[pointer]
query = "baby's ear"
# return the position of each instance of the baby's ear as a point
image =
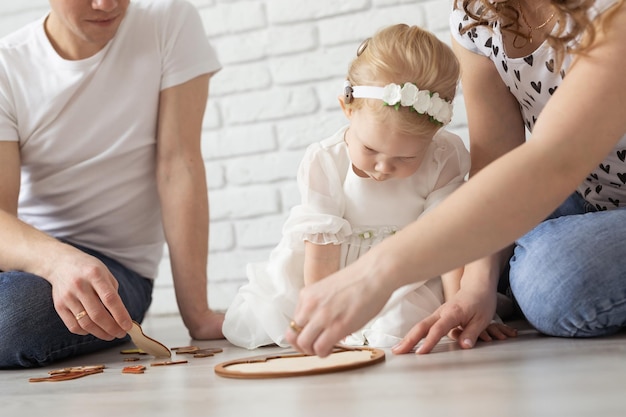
(347, 110)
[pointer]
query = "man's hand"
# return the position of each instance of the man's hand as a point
(85, 295)
(206, 326)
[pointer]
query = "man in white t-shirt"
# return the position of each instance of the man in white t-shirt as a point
(101, 108)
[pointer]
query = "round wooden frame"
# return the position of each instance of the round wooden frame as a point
(342, 358)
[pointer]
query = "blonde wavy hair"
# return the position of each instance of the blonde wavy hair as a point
(576, 39)
(400, 54)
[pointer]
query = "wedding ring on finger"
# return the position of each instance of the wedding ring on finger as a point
(80, 315)
(295, 327)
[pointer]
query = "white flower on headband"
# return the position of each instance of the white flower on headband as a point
(435, 105)
(407, 95)
(422, 101)
(392, 94)
(440, 109)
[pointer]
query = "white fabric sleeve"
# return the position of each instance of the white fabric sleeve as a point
(319, 217)
(187, 52)
(8, 122)
(451, 164)
(458, 20)
(8, 127)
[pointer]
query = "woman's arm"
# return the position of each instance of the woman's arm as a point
(577, 129)
(485, 94)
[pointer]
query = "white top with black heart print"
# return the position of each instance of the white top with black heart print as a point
(532, 80)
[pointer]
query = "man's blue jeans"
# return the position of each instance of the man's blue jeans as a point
(568, 275)
(32, 333)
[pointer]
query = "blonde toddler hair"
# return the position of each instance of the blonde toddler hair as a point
(400, 54)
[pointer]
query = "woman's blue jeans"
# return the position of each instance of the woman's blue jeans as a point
(568, 275)
(32, 333)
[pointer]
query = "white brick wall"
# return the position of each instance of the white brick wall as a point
(284, 62)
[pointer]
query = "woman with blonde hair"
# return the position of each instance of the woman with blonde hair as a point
(549, 209)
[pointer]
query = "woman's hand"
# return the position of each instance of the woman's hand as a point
(467, 315)
(494, 330)
(336, 306)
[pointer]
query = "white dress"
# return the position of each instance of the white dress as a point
(342, 208)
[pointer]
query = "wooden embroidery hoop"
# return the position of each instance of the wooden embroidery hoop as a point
(342, 358)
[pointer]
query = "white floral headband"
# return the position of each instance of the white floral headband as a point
(406, 95)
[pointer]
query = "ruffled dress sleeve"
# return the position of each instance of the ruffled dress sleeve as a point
(319, 217)
(450, 165)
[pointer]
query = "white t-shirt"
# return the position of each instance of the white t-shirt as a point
(87, 128)
(532, 80)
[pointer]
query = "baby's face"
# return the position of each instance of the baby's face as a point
(380, 152)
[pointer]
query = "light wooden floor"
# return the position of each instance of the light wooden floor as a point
(531, 376)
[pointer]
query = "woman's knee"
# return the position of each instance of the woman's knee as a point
(563, 289)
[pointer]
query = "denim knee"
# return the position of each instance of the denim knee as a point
(27, 313)
(33, 334)
(568, 276)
